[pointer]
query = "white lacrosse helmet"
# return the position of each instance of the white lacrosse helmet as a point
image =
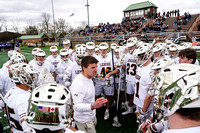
(96, 50)
(24, 74)
(132, 40)
(11, 53)
(173, 48)
(90, 45)
(40, 53)
(130, 43)
(155, 69)
(80, 53)
(34, 51)
(184, 45)
(103, 46)
(83, 46)
(53, 49)
(64, 54)
(179, 88)
(159, 47)
(50, 107)
(168, 41)
(144, 52)
(163, 62)
(66, 43)
(18, 58)
(139, 43)
(77, 45)
(113, 45)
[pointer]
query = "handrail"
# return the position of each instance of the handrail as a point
(194, 24)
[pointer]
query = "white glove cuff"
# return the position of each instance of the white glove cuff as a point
(152, 129)
(159, 126)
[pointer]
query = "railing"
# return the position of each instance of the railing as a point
(194, 24)
(143, 36)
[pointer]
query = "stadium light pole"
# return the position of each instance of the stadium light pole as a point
(88, 13)
(53, 20)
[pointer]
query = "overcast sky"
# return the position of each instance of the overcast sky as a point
(99, 10)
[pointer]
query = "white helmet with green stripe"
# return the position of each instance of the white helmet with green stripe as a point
(179, 88)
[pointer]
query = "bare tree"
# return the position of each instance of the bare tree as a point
(15, 25)
(83, 24)
(61, 25)
(3, 23)
(31, 30)
(45, 21)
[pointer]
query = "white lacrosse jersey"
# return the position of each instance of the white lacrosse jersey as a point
(130, 68)
(72, 71)
(110, 54)
(6, 63)
(143, 83)
(83, 95)
(103, 64)
(60, 71)
(71, 54)
(121, 73)
(31, 62)
(53, 61)
(46, 64)
(5, 81)
(17, 105)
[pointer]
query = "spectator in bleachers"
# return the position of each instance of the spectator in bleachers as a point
(179, 28)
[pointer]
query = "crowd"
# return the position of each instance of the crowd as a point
(61, 92)
(130, 26)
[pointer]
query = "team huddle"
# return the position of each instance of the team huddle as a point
(157, 81)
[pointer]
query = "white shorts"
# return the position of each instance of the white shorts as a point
(99, 88)
(122, 86)
(130, 88)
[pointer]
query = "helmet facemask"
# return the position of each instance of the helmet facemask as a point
(103, 47)
(66, 44)
(40, 57)
(90, 52)
(64, 54)
(90, 46)
(40, 60)
(143, 58)
(54, 51)
(80, 53)
(159, 50)
(104, 53)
